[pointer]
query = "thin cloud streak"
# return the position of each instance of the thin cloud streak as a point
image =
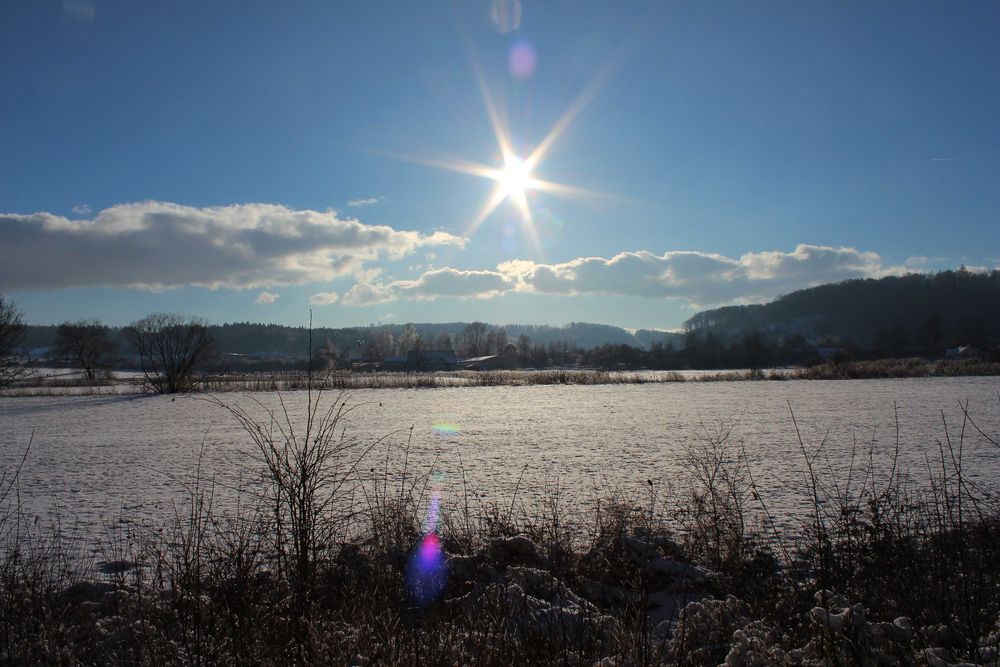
(369, 201)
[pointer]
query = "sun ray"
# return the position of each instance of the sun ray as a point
(499, 129)
(460, 166)
(495, 199)
(576, 107)
(573, 191)
(528, 222)
(514, 177)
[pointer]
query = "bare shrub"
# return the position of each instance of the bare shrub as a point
(309, 473)
(714, 512)
(12, 361)
(87, 346)
(171, 349)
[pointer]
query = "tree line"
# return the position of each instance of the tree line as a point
(896, 316)
(170, 348)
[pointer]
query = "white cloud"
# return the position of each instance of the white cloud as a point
(82, 209)
(703, 279)
(370, 201)
(431, 285)
(266, 297)
(700, 278)
(324, 298)
(158, 244)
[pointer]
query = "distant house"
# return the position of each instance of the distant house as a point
(507, 359)
(396, 362)
(963, 352)
(433, 360)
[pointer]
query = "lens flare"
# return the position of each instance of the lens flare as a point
(430, 525)
(426, 572)
(521, 60)
(446, 429)
(505, 14)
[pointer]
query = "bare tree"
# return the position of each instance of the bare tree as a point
(409, 339)
(12, 360)
(86, 344)
(380, 345)
(524, 345)
(474, 339)
(496, 340)
(171, 348)
(326, 357)
(443, 341)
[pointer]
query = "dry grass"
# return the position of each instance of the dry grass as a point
(894, 368)
(346, 381)
(396, 380)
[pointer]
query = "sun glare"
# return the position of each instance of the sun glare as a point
(515, 177)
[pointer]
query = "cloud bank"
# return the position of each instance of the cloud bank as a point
(702, 279)
(158, 244)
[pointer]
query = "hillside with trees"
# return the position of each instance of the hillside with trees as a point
(892, 314)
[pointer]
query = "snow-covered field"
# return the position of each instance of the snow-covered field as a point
(97, 462)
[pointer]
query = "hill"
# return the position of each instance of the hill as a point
(917, 310)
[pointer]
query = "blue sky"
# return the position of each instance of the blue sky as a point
(250, 160)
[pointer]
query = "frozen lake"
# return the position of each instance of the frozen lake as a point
(98, 461)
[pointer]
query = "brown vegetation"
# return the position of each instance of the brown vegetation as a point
(339, 380)
(895, 368)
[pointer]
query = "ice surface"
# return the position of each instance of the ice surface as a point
(98, 463)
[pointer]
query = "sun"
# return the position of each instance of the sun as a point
(515, 177)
